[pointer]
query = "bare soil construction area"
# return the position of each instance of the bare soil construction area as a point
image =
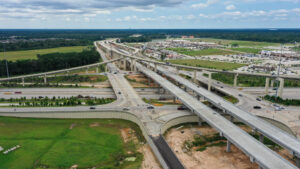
(211, 157)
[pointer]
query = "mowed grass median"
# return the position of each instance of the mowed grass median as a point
(208, 64)
(203, 52)
(62, 143)
(32, 54)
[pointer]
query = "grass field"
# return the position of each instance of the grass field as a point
(239, 42)
(32, 54)
(203, 52)
(246, 50)
(208, 64)
(60, 144)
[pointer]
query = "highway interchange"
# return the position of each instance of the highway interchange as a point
(128, 98)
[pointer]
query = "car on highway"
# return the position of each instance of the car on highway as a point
(119, 92)
(92, 108)
(125, 109)
(240, 95)
(258, 99)
(256, 107)
(18, 92)
(182, 107)
(150, 107)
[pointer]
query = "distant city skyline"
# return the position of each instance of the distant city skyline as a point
(137, 14)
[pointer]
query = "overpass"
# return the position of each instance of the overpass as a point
(45, 74)
(275, 134)
(258, 152)
(281, 78)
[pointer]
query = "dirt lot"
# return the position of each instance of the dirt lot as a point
(139, 80)
(212, 157)
(149, 161)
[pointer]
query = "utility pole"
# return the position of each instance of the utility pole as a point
(278, 71)
(5, 60)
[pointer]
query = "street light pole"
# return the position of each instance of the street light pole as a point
(278, 71)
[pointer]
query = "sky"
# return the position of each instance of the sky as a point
(143, 14)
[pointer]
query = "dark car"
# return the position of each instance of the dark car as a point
(258, 99)
(256, 107)
(92, 108)
(125, 109)
(119, 92)
(240, 95)
(150, 107)
(182, 108)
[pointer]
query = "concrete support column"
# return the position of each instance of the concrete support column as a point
(97, 69)
(23, 82)
(174, 99)
(235, 79)
(198, 97)
(281, 85)
(124, 64)
(200, 122)
(45, 79)
(228, 146)
(261, 138)
(106, 68)
(131, 65)
(87, 71)
(209, 82)
(155, 67)
(267, 86)
(134, 65)
(195, 76)
(149, 81)
(68, 73)
(272, 83)
(177, 70)
(231, 118)
(185, 89)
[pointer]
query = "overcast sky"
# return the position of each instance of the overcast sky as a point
(102, 14)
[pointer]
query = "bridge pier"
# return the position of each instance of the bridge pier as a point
(177, 70)
(200, 122)
(134, 65)
(209, 82)
(124, 64)
(155, 67)
(23, 82)
(261, 138)
(97, 69)
(45, 79)
(228, 146)
(272, 83)
(174, 99)
(106, 68)
(131, 65)
(195, 76)
(235, 80)
(281, 85)
(87, 70)
(267, 86)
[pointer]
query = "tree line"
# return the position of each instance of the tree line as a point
(43, 44)
(49, 62)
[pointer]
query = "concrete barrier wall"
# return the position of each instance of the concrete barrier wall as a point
(101, 115)
(177, 121)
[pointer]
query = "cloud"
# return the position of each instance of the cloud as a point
(230, 7)
(88, 8)
(205, 5)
